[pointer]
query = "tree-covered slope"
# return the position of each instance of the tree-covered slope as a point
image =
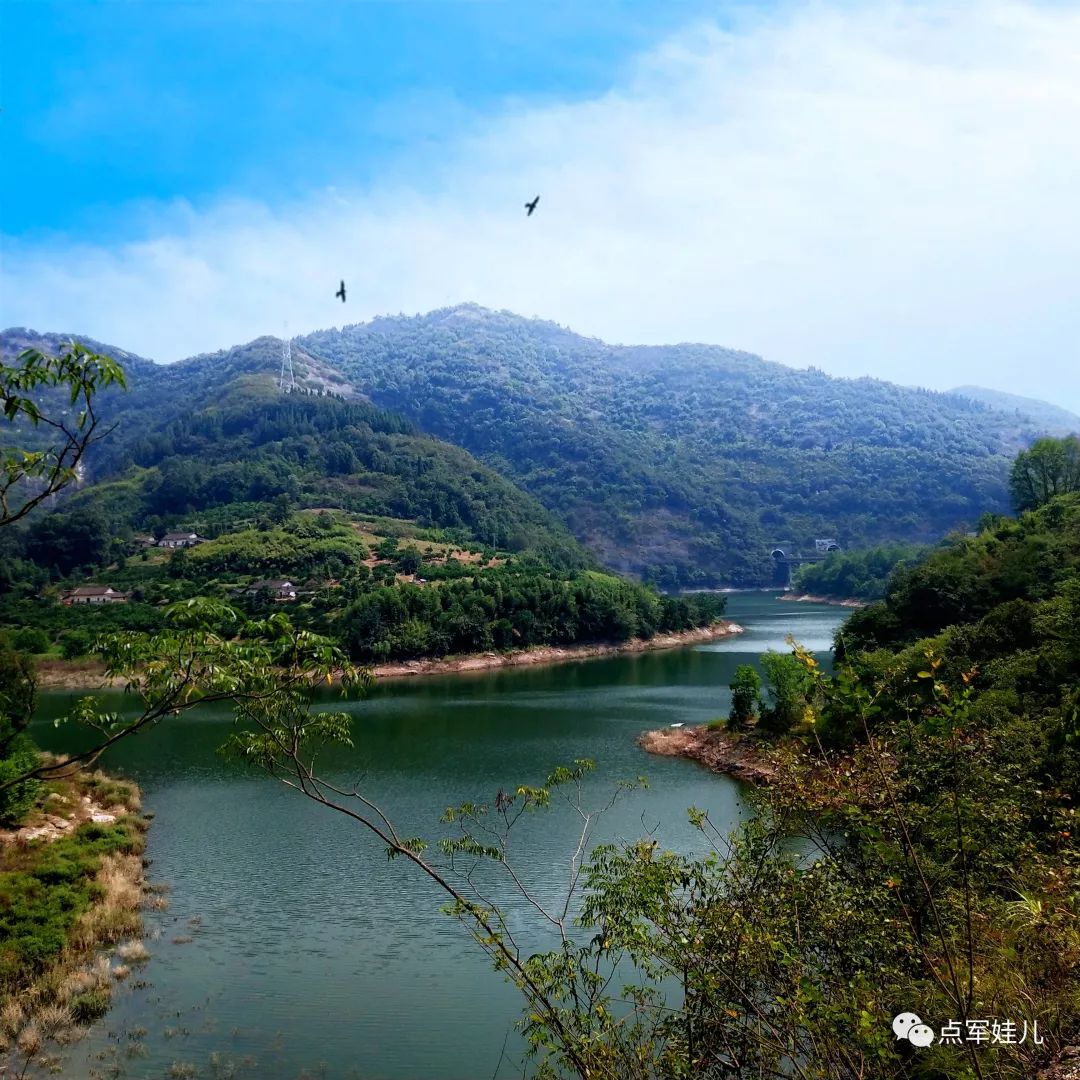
(211, 438)
(255, 445)
(995, 581)
(684, 462)
(1048, 418)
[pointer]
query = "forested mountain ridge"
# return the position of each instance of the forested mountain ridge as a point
(157, 394)
(254, 445)
(16, 338)
(683, 463)
(213, 441)
(1052, 419)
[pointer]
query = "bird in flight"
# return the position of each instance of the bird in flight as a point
(341, 292)
(531, 206)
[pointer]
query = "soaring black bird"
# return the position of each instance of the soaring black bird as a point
(341, 292)
(531, 206)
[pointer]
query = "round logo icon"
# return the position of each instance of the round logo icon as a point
(904, 1022)
(920, 1035)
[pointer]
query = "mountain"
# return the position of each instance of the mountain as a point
(394, 543)
(16, 338)
(1050, 419)
(686, 464)
(211, 439)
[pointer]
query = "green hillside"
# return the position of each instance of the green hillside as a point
(391, 541)
(685, 462)
(255, 445)
(212, 438)
(1051, 419)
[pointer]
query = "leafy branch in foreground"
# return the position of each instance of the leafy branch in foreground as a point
(284, 737)
(866, 884)
(33, 475)
(207, 653)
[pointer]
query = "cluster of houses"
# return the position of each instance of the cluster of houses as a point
(104, 594)
(275, 589)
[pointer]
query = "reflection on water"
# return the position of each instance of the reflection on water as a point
(309, 951)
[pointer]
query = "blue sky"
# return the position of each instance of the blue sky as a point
(874, 187)
(160, 100)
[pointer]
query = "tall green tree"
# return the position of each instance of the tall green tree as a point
(17, 688)
(1051, 467)
(49, 405)
(745, 697)
(789, 687)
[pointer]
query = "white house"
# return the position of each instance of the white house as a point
(179, 540)
(94, 594)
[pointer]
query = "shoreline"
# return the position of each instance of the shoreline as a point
(816, 598)
(734, 754)
(66, 960)
(86, 675)
(551, 654)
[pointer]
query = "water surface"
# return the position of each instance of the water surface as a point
(310, 954)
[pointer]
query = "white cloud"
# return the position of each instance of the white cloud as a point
(883, 189)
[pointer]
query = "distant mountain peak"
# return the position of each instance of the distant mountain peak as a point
(1048, 418)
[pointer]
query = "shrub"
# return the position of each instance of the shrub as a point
(74, 643)
(90, 1006)
(16, 801)
(30, 639)
(789, 687)
(745, 697)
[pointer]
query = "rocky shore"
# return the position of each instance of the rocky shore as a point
(741, 756)
(813, 598)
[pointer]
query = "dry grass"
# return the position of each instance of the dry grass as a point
(29, 1040)
(76, 989)
(70, 1034)
(133, 952)
(12, 1018)
(116, 915)
(53, 1018)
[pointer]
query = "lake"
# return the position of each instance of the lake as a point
(310, 954)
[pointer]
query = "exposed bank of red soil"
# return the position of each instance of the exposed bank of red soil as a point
(551, 654)
(741, 756)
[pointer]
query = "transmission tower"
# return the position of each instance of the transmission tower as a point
(287, 381)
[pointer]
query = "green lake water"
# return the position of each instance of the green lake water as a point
(310, 954)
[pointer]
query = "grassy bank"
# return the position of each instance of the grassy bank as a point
(71, 885)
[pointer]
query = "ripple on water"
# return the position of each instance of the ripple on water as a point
(311, 947)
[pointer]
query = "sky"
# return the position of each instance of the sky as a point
(884, 189)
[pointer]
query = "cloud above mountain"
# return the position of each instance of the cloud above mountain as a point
(885, 189)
